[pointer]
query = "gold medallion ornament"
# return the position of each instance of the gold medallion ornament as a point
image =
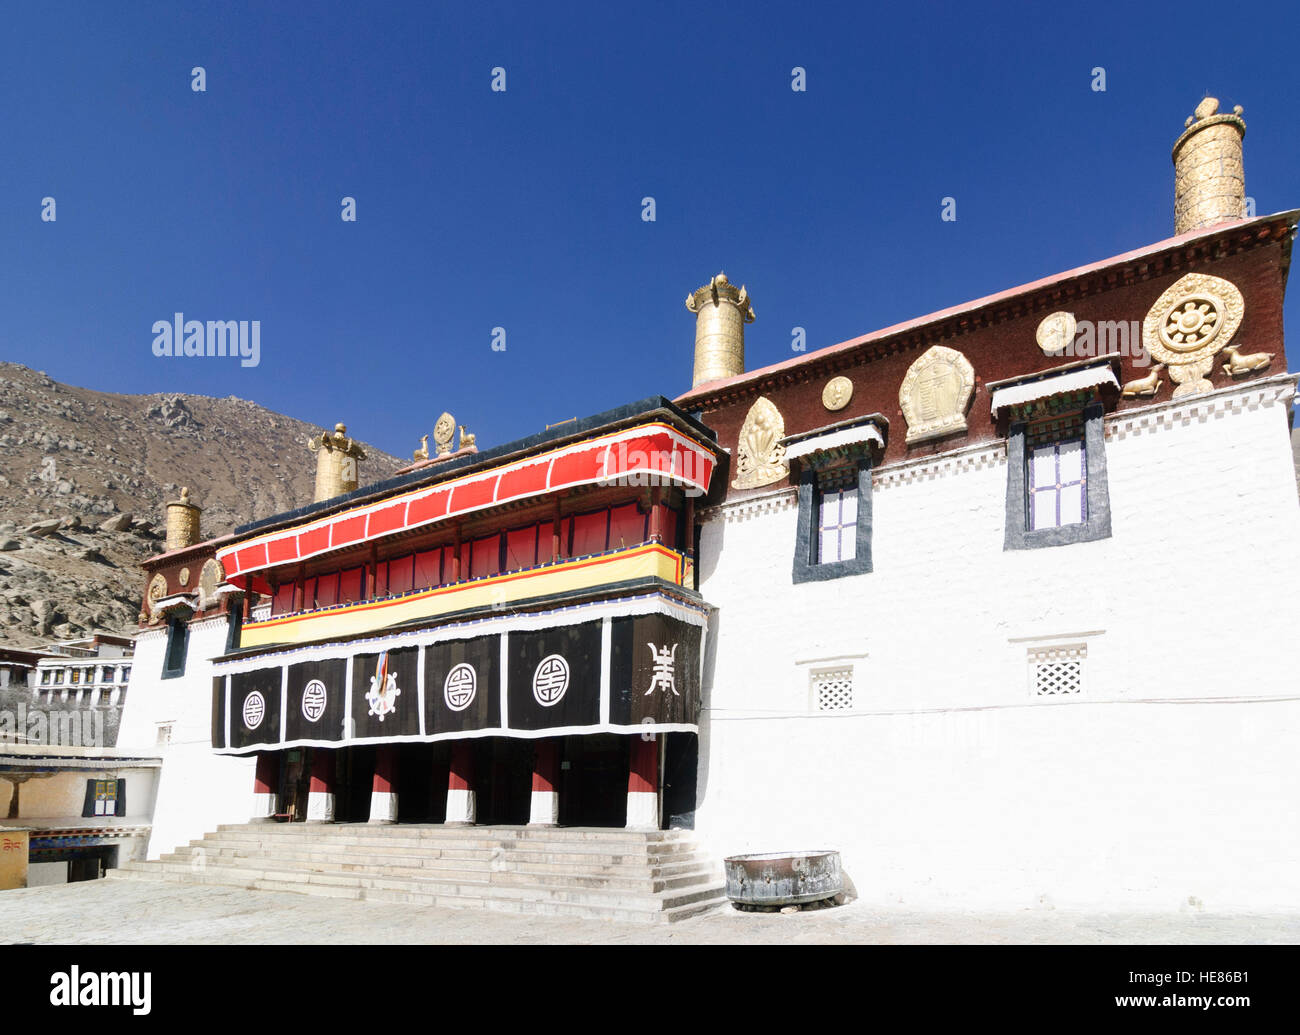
(936, 393)
(1189, 325)
(1056, 332)
(760, 457)
(157, 590)
(184, 577)
(837, 393)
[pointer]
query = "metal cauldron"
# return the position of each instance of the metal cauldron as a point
(783, 878)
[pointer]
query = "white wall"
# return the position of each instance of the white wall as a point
(62, 795)
(40, 875)
(198, 790)
(1172, 776)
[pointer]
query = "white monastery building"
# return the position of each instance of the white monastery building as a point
(997, 603)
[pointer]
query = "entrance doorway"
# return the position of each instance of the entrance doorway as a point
(295, 782)
(681, 760)
(593, 781)
(354, 772)
(504, 774)
(422, 782)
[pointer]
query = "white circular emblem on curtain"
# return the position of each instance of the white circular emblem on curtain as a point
(460, 686)
(550, 680)
(313, 700)
(254, 709)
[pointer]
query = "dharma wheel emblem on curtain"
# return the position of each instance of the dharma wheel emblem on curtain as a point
(383, 693)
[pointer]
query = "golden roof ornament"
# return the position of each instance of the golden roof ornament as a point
(721, 312)
(1209, 177)
(443, 432)
(423, 452)
(182, 522)
(336, 462)
(467, 440)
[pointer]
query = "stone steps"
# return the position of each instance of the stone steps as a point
(584, 853)
(678, 874)
(654, 876)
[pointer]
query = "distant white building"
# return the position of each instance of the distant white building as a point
(189, 617)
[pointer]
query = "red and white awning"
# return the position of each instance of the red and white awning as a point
(630, 457)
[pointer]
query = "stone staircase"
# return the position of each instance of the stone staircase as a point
(650, 877)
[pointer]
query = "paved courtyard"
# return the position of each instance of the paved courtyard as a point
(140, 912)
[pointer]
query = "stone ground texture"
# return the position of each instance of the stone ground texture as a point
(145, 913)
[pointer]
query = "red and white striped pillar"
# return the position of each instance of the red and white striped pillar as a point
(461, 799)
(545, 808)
(320, 792)
(643, 784)
(265, 779)
(383, 789)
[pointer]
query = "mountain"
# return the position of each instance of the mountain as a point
(73, 460)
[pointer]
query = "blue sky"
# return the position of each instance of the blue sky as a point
(478, 209)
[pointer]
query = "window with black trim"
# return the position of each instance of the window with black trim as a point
(105, 798)
(1057, 490)
(235, 623)
(834, 527)
(178, 634)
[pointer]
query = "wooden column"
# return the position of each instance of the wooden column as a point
(265, 781)
(372, 573)
(643, 783)
(461, 796)
(320, 797)
(656, 514)
(556, 524)
(544, 810)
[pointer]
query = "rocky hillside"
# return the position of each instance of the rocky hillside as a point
(83, 479)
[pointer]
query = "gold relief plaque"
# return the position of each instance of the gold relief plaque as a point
(211, 576)
(936, 392)
(837, 393)
(1056, 332)
(157, 590)
(1189, 325)
(760, 457)
(184, 577)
